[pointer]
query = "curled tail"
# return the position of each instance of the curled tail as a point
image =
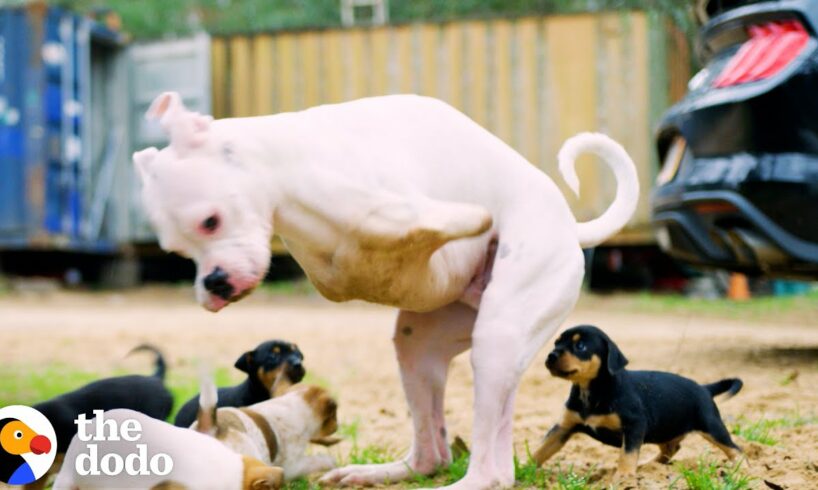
(594, 232)
(731, 386)
(208, 401)
(161, 367)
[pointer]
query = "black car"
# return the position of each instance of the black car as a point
(738, 187)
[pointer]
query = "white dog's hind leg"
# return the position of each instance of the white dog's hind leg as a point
(425, 345)
(528, 297)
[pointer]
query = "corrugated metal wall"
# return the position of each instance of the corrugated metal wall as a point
(532, 81)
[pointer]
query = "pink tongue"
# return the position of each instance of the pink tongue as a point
(216, 303)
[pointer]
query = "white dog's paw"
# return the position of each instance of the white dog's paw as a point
(478, 482)
(368, 474)
(322, 462)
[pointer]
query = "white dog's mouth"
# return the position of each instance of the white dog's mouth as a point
(220, 289)
(214, 302)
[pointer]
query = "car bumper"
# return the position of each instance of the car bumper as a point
(723, 229)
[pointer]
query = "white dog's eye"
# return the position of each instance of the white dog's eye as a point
(210, 224)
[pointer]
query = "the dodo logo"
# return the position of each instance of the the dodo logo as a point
(27, 445)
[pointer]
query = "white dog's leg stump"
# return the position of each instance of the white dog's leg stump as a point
(425, 344)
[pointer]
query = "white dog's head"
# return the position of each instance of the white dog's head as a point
(205, 205)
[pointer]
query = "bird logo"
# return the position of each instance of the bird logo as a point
(27, 445)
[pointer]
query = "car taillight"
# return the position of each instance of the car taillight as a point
(771, 47)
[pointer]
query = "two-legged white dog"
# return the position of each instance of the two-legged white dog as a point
(399, 200)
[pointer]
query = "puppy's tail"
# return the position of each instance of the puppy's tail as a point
(208, 400)
(731, 386)
(161, 366)
(594, 232)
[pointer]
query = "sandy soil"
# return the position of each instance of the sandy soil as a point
(349, 348)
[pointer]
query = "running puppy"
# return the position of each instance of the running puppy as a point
(273, 362)
(629, 408)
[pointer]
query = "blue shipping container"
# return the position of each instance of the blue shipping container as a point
(46, 171)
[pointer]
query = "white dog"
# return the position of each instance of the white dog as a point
(400, 200)
(277, 431)
(198, 461)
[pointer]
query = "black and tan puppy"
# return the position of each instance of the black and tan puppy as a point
(627, 409)
(273, 363)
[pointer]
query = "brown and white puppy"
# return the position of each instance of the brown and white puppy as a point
(276, 431)
(199, 462)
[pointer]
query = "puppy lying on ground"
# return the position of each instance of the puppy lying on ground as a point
(144, 394)
(272, 362)
(199, 462)
(276, 431)
(629, 408)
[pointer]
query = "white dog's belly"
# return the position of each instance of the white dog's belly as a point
(395, 277)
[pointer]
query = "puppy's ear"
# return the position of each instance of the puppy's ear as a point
(262, 477)
(324, 407)
(616, 359)
(274, 478)
(245, 362)
(326, 441)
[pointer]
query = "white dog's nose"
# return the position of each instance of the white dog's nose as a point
(217, 283)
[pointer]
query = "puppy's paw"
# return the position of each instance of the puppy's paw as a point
(622, 481)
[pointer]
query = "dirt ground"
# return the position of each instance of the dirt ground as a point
(348, 347)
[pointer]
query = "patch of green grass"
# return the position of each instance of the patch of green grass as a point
(710, 475)
(527, 475)
(761, 430)
(300, 287)
(764, 308)
(362, 455)
(530, 474)
(301, 484)
(758, 431)
(26, 385)
(449, 474)
(369, 455)
(349, 430)
(568, 479)
(443, 476)
(312, 379)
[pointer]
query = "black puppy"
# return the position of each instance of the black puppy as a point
(144, 394)
(629, 408)
(274, 362)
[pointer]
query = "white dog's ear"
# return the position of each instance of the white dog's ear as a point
(143, 160)
(186, 129)
(164, 107)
